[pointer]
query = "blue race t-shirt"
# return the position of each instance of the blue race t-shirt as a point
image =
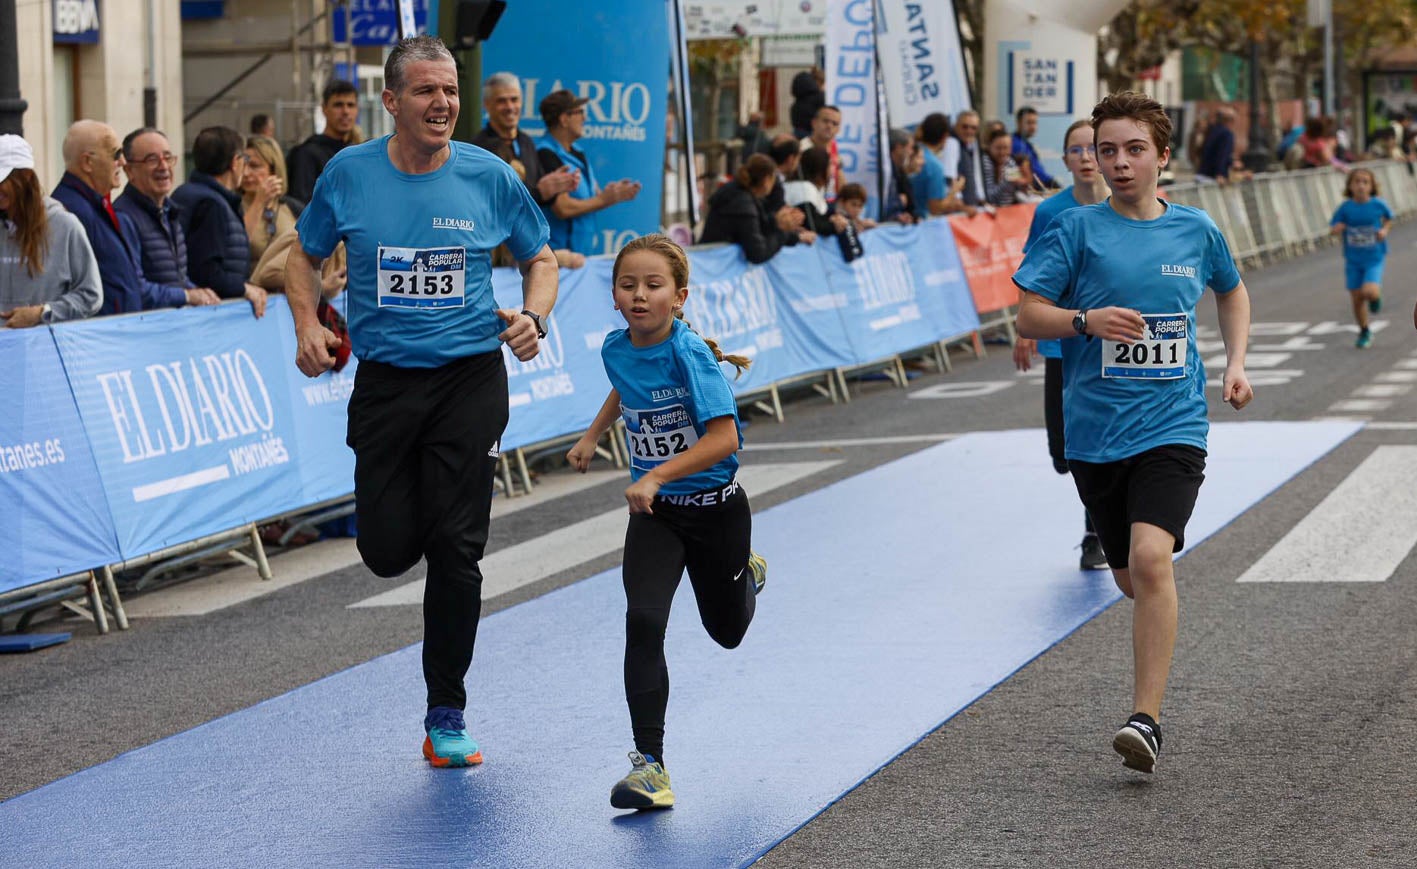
(929, 183)
(1123, 399)
(419, 247)
(1361, 222)
(1049, 348)
(668, 392)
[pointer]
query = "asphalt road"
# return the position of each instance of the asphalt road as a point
(1288, 710)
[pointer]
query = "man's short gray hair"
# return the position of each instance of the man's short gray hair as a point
(500, 80)
(412, 50)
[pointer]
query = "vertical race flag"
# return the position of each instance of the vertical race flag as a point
(615, 56)
(921, 60)
(851, 87)
(690, 171)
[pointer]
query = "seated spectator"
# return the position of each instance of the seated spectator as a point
(150, 220)
(906, 160)
(737, 213)
(265, 208)
(851, 204)
(218, 252)
(48, 273)
(1005, 180)
(572, 215)
(339, 103)
(810, 193)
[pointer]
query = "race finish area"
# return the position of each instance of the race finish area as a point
(895, 598)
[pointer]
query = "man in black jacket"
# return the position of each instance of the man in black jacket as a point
(502, 98)
(340, 105)
(219, 253)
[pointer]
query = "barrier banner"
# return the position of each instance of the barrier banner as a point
(559, 392)
(883, 314)
(53, 516)
(991, 248)
(735, 304)
(188, 415)
(617, 56)
(322, 460)
(811, 310)
(946, 300)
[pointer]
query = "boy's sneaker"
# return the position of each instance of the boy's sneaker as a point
(646, 787)
(1093, 558)
(1365, 339)
(1375, 306)
(447, 743)
(758, 567)
(1138, 742)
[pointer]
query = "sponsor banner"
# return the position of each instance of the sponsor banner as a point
(560, 391)
(922, 63)
(323, 461)
(582, 47)
(882, 296)
(53, 515)
(991, 248)
(946, 300)
(76, 22)
(812, 312)
(851, 87)
(189, 418)
(736, 304)
(373, 22)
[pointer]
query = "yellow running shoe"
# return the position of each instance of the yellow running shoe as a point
(758, 567)
(646, 787)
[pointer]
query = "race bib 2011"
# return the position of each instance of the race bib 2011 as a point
(1160, 355)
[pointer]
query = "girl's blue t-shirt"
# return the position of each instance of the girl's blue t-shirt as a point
(1049, 348)
(1361, 222)
(668, 393)
(1126, 401)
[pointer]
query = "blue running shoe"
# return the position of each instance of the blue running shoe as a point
(1365, 339)
(646, 787)
(447, 743)
(758, 567)
(1375, 306)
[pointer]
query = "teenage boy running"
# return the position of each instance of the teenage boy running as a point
(1119, 281)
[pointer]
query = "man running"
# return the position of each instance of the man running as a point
(420, 215)
(1119, 281)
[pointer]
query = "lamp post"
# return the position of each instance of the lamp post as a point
(12, 107)
(1256, 157)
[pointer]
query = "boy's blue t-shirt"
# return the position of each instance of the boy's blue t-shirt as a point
(1128, 400)
(928, 183)
(419, 248)
(1361, 222)
(1049, 348)
(668, 393)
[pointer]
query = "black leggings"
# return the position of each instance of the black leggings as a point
(1053, 421)
(425, 456)
(712, 541)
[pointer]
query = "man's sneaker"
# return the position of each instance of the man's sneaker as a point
(646, 787)
(1093, 558)
(1365, 339)
(447, 743)
(758, 567)
(1375, 306)
(1138, 742)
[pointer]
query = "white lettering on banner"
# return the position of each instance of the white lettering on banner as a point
(552, 387)
(851, 86)
(75, 16)
(617, 110)
(23, 457)
(267, 452)
(336, 388)
(551, 356)
(730, 308)
(827, 302)
(884, 279)
(241, 406)
(1042, 83)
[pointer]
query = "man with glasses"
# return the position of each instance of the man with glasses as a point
(971, 158)
(502, 98)
(571, 215)
(146, 210)
(209, 208)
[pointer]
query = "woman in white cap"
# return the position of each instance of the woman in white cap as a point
(48, 272)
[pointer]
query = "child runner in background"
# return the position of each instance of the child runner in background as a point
(686, 507)
(1119, 282)
(1088, 188)
(1363, 222)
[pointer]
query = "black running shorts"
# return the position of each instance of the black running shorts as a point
(1158, 487)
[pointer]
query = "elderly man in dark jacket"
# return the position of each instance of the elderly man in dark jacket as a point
(92, 160)
(209, 208)
(146, 209)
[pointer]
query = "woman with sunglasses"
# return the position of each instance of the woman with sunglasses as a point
(48, 272)
(266, 210)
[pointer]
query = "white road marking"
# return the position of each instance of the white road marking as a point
(1360, 532)
(1398, 376)
(511, 568)
(1408, 364)
(851, 442)
(1382, 390)
(1360, 405)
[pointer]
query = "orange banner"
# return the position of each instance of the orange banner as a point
(991, 248)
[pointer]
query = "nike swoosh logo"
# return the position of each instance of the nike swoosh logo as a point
(739, 575)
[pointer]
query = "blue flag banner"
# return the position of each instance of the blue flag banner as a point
(53, 516)
(616, 56)
(189, 418)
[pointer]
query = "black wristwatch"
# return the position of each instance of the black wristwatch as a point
(536, 318)
(1080, 322)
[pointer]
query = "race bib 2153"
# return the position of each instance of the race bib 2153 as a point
(427, 278)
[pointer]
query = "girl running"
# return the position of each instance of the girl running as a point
(1363, 222)
(686, 507)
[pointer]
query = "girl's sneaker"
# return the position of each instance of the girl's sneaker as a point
(646, 787)
(1365, 339)
(447, 743)
(758, 567)
(1375, 305)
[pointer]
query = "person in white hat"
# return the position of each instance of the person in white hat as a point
(48, 272)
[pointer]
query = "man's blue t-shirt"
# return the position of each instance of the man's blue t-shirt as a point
(1131, 398)
(419, 248)
(1361, 222)
(668, 392)
(929, 183)
(1049, 348)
